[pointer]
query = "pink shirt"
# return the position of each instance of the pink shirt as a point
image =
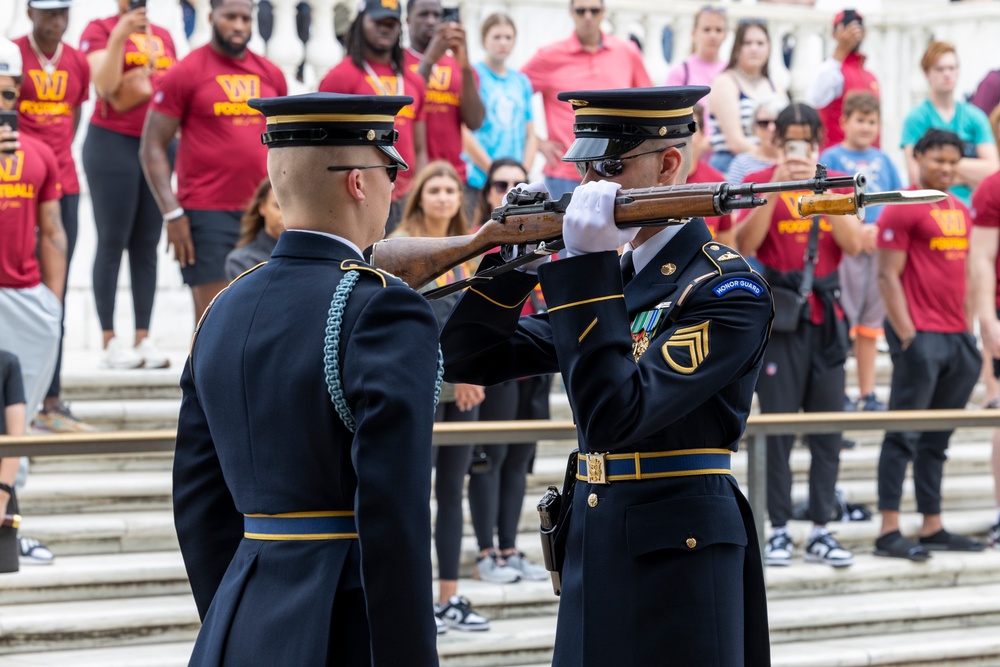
(566, 65)
(694, 72)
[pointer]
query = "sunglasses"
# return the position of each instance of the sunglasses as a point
(390, 169)
(766, 124)
(9, 94)
(503, 187)
(614, 166)
(761, 23)
(594, 11)
(709, 9)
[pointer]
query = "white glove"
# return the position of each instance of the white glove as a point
(589, 223)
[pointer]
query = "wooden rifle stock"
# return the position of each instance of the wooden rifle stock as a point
(419, 260)
(530, 218)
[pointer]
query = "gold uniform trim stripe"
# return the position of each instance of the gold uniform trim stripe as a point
(301, 515)
(660, 455)
(586, 301)
(297, 536)
(519, 304)
(328, 118)
(587, 331)
(634, 113)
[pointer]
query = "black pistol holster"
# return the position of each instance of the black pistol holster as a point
(553, 512)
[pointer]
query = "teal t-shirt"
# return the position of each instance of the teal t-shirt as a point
(507, 100)
(970, 124)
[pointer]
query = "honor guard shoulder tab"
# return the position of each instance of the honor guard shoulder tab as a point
(725, 259)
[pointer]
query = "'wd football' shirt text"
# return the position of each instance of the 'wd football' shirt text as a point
(28, 177)
(220, 160)
(935, 238)
(48, 101)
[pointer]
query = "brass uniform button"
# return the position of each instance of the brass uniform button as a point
(691, 543)
(668, 269)
(592, 500)
(713, 247)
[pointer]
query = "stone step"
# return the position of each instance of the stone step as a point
(122, 575)
(150, 655)
(944, 596)
(109, 532)
(953, 647)
(133, 414)
(80, 383)
(97, 623)
(95, 492)
(89, 464)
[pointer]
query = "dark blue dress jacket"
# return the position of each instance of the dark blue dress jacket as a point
(637, 590)
(258, 434)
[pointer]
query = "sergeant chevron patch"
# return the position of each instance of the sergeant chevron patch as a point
(687, 348)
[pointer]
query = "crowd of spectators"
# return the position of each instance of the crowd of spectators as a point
(469, 137)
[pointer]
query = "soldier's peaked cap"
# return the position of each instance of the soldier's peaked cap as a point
(612, 122)
(332, 119)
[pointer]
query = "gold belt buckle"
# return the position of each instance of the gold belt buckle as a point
(597, 471)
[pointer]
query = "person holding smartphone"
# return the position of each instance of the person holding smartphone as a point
(128, 56)
(438, 52)
(841, 74)
(804, 367)
(32, 254)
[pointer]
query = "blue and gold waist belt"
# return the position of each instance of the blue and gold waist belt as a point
(300, 526)
(607, 468)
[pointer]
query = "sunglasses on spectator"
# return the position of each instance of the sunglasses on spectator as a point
(503, 187)
(766, 124)
(614, 166)
(390, 169)
(9, 94)
(580, 11)
(757, 22)
(709, 9)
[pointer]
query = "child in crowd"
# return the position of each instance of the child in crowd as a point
(859, 294)
(12, 416)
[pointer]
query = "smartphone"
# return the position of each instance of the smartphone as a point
(9, 118)
(797, 148)
(450, 15)
(850, 16)
(136, 4)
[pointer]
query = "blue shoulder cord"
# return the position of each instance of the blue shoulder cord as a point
(331, 352)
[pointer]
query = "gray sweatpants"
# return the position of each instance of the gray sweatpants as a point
(30, 322)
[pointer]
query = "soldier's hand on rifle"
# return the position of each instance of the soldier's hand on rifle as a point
(589, 223)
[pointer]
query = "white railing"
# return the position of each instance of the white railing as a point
(898, 32)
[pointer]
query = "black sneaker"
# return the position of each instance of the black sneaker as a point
(994, 536)
(779, 550)
(824, 548)
(458, 614)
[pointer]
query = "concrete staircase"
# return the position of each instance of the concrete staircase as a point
(118, 595)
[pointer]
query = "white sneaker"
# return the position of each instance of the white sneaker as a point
(119, 356)
(824, 548)
(151, 357)
(491, 568)
(441, 627)
(528, 570)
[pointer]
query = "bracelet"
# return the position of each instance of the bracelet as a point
(175, 214)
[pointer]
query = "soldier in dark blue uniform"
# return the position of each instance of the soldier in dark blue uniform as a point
(303, 462)
(659, 359)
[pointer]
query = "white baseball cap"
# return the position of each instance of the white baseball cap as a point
(50, 4)
(10, 58)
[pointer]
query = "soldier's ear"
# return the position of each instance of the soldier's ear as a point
(356, 184)
(672, 169)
